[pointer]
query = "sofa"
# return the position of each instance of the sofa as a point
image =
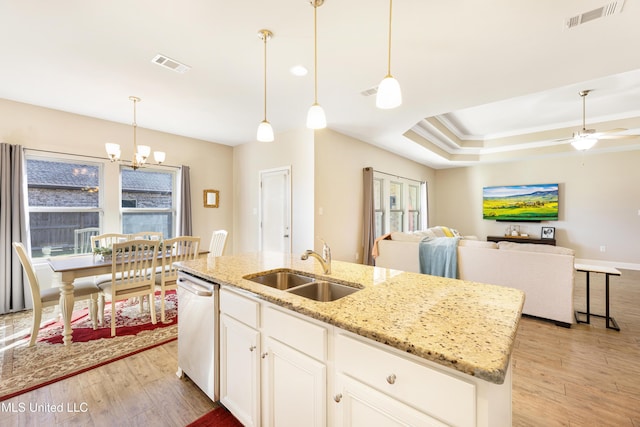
(545, 273)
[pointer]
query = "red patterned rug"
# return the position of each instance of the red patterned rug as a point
(26, 368)
(219, 417)
(129, 321)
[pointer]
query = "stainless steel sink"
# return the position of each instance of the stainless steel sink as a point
(323, 291)
(280, 279)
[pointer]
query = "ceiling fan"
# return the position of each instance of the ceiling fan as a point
(585, 139)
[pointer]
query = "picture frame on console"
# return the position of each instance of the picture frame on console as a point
(548, 233)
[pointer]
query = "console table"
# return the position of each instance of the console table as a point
(607, 271)
(518, 239)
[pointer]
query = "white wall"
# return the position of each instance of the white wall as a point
(294, 149)
(339, 160)
(599, 202)
(211, 164)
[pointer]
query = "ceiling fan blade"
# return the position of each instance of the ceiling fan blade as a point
(617, 137)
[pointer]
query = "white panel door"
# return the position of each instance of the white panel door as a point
(275, 210)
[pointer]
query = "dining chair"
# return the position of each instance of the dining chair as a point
(181, 248)
(132, 265)
(104, 241)
(148, 235)
(107, 239)
(51, 297)
(82, 239)
(218, 242)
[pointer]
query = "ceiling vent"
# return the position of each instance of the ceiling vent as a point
(606, 10)
(172, 64)
(370, 91)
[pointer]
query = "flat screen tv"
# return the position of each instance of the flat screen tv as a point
(537, 202)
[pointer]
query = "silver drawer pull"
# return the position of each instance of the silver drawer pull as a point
(338, 397)
(391, 379)
(253, 347)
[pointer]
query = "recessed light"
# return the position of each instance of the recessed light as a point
(298, 70)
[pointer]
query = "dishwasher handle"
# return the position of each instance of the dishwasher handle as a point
(194, 288)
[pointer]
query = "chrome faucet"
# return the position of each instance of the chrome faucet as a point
(324, 259)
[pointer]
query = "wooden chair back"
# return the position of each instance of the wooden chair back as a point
(32, 278)
(108, 239)
(82, 239)
(148, 235)
(181, 248)
(133, 268)
(218, 242)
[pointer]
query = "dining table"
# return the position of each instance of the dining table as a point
(69, 268)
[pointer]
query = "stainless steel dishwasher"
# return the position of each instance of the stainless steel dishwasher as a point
(198, 341)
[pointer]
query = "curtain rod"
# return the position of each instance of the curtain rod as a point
(397, 176)
(94, 157)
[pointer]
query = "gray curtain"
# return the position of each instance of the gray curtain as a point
(185, 227)
(369, 224)
(13, 227)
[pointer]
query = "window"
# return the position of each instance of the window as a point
(148, 201)
(399, 204)
(64, 205)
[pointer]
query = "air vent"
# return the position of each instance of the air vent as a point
(172, 64)
(606, 10)
(369, 92)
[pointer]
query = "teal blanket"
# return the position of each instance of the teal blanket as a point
(439, 256)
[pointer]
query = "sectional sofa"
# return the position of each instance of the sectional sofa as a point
(545, 273)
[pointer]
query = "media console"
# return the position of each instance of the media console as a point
(518, 239)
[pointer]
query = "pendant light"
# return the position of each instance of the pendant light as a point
(389, 94)
(316, 118)
(265, 131)
(140, 152)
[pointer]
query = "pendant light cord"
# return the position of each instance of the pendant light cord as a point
(135, 125)
(584, 112)
(265, 37)
(389, 46)
(315, 52)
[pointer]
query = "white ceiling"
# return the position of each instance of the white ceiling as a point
(502, 71)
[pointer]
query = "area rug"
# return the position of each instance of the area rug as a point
(129, 321)
(219, 417)
(27, 368)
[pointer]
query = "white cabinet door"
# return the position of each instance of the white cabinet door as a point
(294, 387)
(240, 370)
(358, 405)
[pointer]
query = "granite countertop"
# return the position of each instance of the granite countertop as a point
(467, 326)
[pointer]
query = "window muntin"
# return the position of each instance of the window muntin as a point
(147, 200)
(63, 197)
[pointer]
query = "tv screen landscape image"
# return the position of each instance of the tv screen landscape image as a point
(538, 202)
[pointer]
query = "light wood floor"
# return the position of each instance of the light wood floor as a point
(583, 376)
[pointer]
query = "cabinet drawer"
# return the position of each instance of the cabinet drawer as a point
(300, 334)
(443, 396)
(240, 307)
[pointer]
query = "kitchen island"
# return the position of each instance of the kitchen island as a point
(466, 329)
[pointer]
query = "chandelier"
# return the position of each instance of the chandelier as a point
(140, 152)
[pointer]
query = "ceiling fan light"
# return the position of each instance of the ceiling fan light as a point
(265, 132)
(583, 143)
(389, 93)
(316, 118)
